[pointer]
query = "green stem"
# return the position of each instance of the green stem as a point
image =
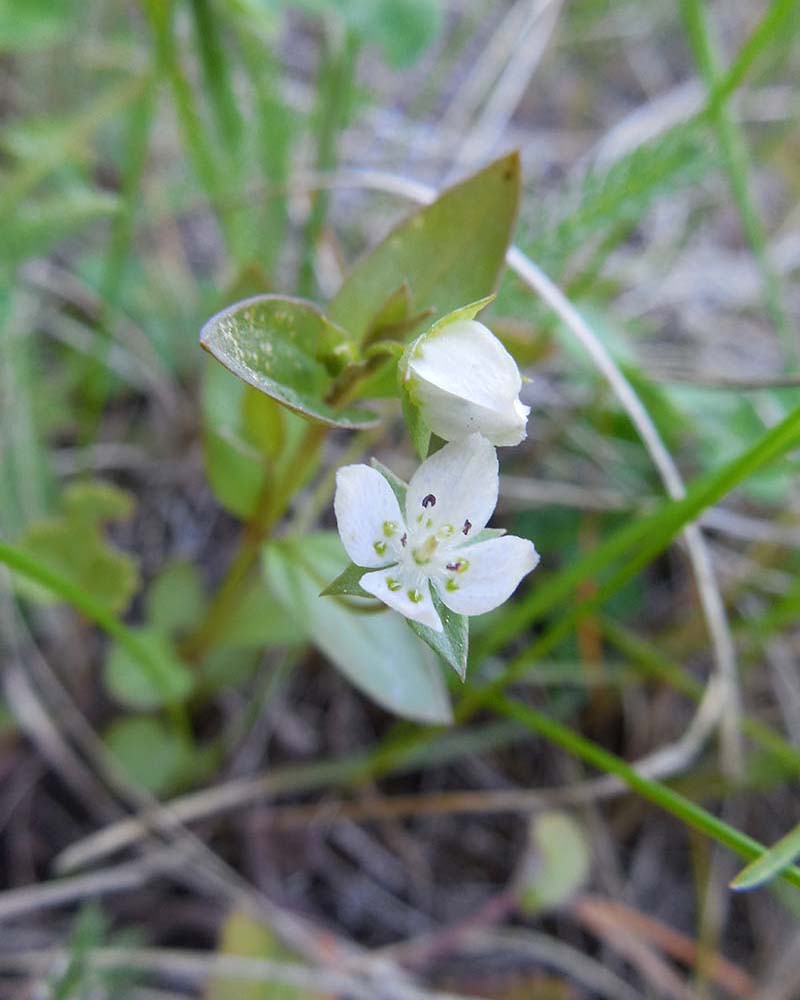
(270, 507)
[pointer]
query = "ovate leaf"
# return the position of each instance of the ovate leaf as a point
(149, 754)
(158, 679)
(557, 863)
(376, 651)
(280, 346)
(449, 252)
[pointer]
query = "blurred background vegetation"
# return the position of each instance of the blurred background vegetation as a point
(160, 159)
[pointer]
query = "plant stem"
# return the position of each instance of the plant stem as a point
(269, 508)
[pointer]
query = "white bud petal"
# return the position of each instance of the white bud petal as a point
(464, 381)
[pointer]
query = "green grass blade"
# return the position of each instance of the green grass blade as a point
(774, 863)
(26, 565)
(661, 795)
(643, 539)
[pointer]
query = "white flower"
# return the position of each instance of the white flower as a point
(449, 500)
(464, 381)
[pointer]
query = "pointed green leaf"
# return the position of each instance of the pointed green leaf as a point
(771, 864)
(275, 344)
(449, 252)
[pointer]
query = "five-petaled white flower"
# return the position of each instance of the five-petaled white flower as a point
(449, 500)
(464, 381)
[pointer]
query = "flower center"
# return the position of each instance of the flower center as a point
(424, 553)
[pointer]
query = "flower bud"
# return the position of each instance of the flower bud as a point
(464, 381)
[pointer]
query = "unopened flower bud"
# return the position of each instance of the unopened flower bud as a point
(464, 381)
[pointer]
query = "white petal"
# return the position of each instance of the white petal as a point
(393, 587)
(364, 505)
(464, 381)
(466, 359)
(453, 417)
(457, 486)
(494, 571)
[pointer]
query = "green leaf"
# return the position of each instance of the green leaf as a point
(771, 864)
(275, 344)
(376, 652)
(449, 252)
(149, 754)
(74, 545)
(557, 864)
(165, 681)
(257, 622)
(239, 454)
(263, 422)
(452, 645)
(175, 599)
(347, 583)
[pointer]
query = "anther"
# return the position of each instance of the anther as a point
(404, 539)
(454, 567)
(467, 526)
(429, 500)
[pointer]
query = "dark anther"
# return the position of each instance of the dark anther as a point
(404, 539)
(454, 567)
(429, 500)
(467, 526)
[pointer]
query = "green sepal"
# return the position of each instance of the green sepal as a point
(452, 644)
(347, 583)
(418, 429)
(399, 487)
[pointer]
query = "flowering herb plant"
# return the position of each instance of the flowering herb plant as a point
(403, 324)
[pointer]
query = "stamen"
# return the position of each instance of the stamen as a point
(393, 584)
(389, 528)
(429, 500)
(403, 539)
(414, 595)
(467, 526)
(454, 567)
